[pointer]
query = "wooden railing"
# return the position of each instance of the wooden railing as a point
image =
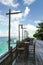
(9, 57)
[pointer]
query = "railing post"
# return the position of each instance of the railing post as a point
(11, 56)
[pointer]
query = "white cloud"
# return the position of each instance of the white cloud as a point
(31, 29)
(27, 11)
(5, 23)
(2, 18)
(28, 2)
(20, 15)
(14, 29)
(15, 20)
(9, 3)
(16, 16)
(38, 21)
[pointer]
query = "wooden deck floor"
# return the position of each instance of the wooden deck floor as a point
(27, 57)
(22, 61)
(25, 60)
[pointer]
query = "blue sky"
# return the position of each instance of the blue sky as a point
(32, 14)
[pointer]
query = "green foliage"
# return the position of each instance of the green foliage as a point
(40, 25)
(36, 35)
(40, 29)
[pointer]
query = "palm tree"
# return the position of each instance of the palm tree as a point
(40, 29)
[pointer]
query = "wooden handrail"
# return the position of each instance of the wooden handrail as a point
(3, 57)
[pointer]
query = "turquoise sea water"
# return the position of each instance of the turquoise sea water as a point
(4, 45)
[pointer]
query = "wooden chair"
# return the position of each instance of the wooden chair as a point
(21, 50)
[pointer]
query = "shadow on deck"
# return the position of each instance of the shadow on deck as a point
(26, 57)
(24, 60)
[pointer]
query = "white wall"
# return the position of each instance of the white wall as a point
(39, 51)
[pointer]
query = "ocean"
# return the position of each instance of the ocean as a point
(4, 45)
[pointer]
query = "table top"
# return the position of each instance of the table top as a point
(21, 48)
(27, 42)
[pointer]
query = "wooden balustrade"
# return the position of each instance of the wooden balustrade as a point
(8, 58)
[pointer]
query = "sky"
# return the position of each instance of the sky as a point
(32, 14)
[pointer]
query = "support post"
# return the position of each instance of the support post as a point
(9, 24)
(9, 28)
(22, 33)
(19, 33)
